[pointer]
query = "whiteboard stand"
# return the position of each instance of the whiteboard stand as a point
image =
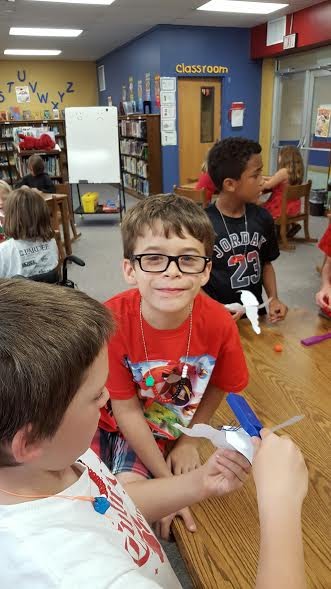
(93, 152)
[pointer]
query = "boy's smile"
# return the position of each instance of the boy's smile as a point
(166, 296)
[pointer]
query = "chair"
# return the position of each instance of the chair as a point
(65, 189)
(199, 196)
(290, 194)
(53, 210)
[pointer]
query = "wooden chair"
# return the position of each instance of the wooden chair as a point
(199, 196)
(301, 191)
(66, 189)
(53, 209)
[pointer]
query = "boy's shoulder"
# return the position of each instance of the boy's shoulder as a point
(213, 313)
(125, 303)
(259, 213)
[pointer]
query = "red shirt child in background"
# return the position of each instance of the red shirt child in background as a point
(206, 182)
(291, 171)
(323, 297)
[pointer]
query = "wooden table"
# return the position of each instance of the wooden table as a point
(223, 552)
(62, 203)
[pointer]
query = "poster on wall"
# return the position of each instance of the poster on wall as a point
(157, 89)
(131, 89)
(168, 111)
(123, 93)
(322, 127)
(22, 94)
(140, 95)
(147, 86)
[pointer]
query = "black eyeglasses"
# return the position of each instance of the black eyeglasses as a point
(186, 264)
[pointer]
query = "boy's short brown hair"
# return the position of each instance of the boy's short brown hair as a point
(50, 335)
(27, 216)
(175, 213)
(36, 164)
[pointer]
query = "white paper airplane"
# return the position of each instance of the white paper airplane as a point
(250, 306)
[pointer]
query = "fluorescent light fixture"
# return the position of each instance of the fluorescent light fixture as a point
(241, 6)
(95, 2)
(32, 52)
(39, 32)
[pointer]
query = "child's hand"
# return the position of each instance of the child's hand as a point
(184, 456)
(277, 310)
(236, 314)
(225, 471)
(279, 471)
(162, 528)
(323, 298)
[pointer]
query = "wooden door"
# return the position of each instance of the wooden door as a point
(199, 123)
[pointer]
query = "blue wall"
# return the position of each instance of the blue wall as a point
(160, 50)
(140, 56)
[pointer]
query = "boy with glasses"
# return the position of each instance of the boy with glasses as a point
(175, 352)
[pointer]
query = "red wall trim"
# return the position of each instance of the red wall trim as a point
(312, 25)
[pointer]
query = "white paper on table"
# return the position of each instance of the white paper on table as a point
(250, 306)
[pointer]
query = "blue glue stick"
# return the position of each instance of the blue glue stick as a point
(246, 417)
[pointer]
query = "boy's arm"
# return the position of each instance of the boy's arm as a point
(184, 456)
(135, 429)
(323, 297)
(224, 472)
(277, 309)
(281, 480)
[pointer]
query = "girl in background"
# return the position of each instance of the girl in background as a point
(291, 171)
(30, 248)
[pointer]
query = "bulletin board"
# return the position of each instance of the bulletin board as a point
(92, 145)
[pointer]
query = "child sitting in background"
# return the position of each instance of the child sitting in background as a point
(37, 177)
(291, 171)
(246, 243)
(30, 248)
(205, 182)
(323, 297)
(5, 190)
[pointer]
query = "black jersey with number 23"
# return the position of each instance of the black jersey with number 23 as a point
(239, 256)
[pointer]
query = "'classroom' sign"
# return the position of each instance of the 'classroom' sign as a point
(182, 68)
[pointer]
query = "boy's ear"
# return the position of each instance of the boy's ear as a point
(205, 274)
(129, 272)
(22, 449)
(229, 184)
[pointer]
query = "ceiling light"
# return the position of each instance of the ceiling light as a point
(32, 52)
(38, 32)
(241, 6)
(103, 2)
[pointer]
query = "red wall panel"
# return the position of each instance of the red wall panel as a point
(312, 25)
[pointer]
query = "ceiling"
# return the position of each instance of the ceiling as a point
(108, 27)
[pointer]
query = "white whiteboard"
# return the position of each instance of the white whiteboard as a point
(92, 144)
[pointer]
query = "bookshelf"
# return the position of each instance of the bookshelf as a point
(140, 149)
(13, 164)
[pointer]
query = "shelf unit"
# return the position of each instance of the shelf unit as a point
(15, 169)
(140, 149)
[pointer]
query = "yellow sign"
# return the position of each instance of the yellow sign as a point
(182, 68)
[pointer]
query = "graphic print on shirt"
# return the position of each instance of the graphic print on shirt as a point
(243, 269)
(28, 256)
(170, 401)
(138, 540)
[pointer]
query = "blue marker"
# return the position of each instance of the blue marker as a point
(246, 417)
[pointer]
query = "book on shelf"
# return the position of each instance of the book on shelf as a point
(3, 115)
(15, 113)
(47, 114)
(56, 113)
(136, 148)
(133, 128)
(26, 115)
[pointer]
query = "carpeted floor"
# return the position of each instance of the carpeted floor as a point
(100, 247)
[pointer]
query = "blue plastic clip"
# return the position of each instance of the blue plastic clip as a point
(246, 417)
(101, 504)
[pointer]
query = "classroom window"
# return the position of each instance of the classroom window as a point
(207, 115)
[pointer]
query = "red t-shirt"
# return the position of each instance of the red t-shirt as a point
(206, 182)
(274, 203)
(325, 243)
(215, 356)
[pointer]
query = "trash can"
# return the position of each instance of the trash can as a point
(316, 202)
